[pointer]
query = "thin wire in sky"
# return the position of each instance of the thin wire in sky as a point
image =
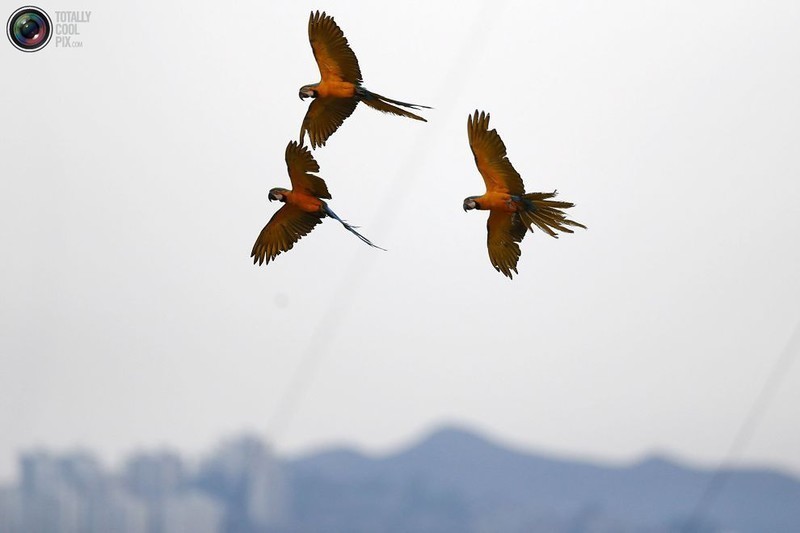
(351, 282)
(722, 474)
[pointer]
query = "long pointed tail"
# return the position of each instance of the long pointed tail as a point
(547, 214)
(348, 227)
(381, 103)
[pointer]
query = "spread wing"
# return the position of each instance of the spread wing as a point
(505, 230)
(300, 163)
(335, 59)
(285, 228)
(324, 116)
(490, 157)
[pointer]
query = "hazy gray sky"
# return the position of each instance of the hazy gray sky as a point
(135, 181)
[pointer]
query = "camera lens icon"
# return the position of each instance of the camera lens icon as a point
(29, 29)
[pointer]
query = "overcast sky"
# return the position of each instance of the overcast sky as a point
(135, 178)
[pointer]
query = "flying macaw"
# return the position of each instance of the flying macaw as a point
(512, 212)
(336, 95)
(302, 210)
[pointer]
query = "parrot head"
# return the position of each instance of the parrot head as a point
(307, 91)
(277, 194)
(470, 203)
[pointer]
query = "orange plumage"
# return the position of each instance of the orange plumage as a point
(512, 212)
(336, 95)
(303, 207)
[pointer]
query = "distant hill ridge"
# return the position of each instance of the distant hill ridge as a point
(455, 480)
(452, 481)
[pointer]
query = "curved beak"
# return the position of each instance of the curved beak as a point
(303, 96)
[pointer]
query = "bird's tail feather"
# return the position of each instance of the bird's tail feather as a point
(381, 103)
(348, 227)
(546, 214)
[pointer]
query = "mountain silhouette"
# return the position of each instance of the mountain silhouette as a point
(452, 481)
(457, 481)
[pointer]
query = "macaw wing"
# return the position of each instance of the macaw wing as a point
(335, 58)
(300, 163)
(324, 116)
(505, 231)
(285, 228)
(490, 157)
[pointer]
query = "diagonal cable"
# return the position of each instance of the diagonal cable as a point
(722, 474)
(351, 282)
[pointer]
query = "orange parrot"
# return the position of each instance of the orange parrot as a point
(302, 210)
(512, 212)
(336, 95)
